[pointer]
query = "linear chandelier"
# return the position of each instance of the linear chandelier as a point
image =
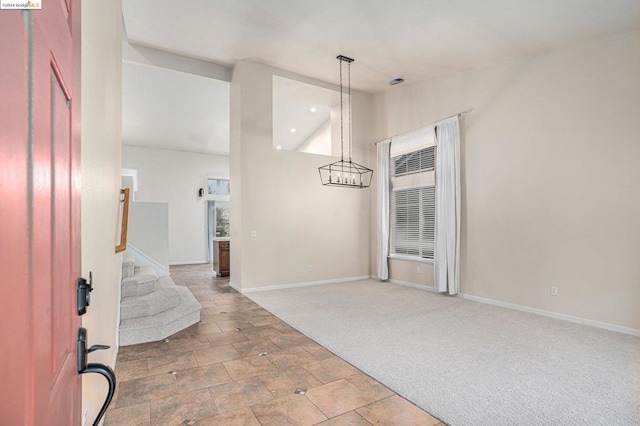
(345, 173)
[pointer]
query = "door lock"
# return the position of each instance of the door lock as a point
(84, 294)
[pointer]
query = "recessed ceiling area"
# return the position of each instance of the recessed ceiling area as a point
(167, 109)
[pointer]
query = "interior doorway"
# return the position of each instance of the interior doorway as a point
(217, 223)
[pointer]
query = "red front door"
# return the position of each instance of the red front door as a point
(39, 214)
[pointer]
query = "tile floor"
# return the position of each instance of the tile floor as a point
(243, 366)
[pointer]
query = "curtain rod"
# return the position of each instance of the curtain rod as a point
(435, 123)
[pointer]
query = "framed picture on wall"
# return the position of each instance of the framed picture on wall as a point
(218, 186)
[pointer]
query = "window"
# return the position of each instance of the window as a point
(414, 162)
(218, 186)
(222, 220)
(413, 206)
(413, 213)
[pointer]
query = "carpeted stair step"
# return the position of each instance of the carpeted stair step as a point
(163, 324)
(163, 299)
(144, 281)
(128, 265)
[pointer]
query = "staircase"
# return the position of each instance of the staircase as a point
(151, 307)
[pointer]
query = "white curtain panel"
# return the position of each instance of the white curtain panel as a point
(446, 266)
(383, 209)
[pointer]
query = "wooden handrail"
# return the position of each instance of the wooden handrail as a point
(123, 219)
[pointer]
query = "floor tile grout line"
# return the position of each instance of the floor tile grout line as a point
(352, 366)
(319, 409)
(271, 322)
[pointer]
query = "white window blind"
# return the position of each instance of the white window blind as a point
(413, 221)
(414, 162)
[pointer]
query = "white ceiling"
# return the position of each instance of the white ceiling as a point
(413, 39)
(167, 109)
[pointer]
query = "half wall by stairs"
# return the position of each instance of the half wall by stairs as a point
(151, 307)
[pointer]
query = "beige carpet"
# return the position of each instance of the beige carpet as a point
(468, 363)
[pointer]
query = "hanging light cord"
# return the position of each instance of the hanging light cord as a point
(341, 115)
(350, 122)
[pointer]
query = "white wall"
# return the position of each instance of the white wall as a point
(149, 230)
(551, 164)
(319, 142)
(279, 195)
(174, 177)
(101, 124)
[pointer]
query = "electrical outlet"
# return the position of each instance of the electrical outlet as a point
(253, 234)
(418, 269)
(309, 267)
(554, 291)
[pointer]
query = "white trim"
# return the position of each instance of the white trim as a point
(235, 287)
(413, 285)
(416, 186)
(115, 357)
(117, 336)
(409, 258)
(189, 262)
(570, 318)
(133, 173)
(563, 317)
(143, 259)
(295, 285)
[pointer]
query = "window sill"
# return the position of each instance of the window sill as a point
(409, 258)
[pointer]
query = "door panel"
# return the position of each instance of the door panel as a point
(57, 384)
(62, 314)
(45, 382)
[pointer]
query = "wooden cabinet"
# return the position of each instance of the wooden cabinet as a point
(221, 257)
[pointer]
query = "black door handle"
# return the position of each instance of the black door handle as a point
(101, 369)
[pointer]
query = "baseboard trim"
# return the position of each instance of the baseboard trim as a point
(143, 259)
(551, 314)
(295, 285)
(522, 308)
(413, 285)
(115, 357)
(189, 262)
(406, 284)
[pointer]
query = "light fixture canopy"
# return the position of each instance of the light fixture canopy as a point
(345, 173)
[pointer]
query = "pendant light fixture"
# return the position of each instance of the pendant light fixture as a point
(345, 173)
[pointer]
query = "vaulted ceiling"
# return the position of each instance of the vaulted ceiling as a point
(412, 39)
